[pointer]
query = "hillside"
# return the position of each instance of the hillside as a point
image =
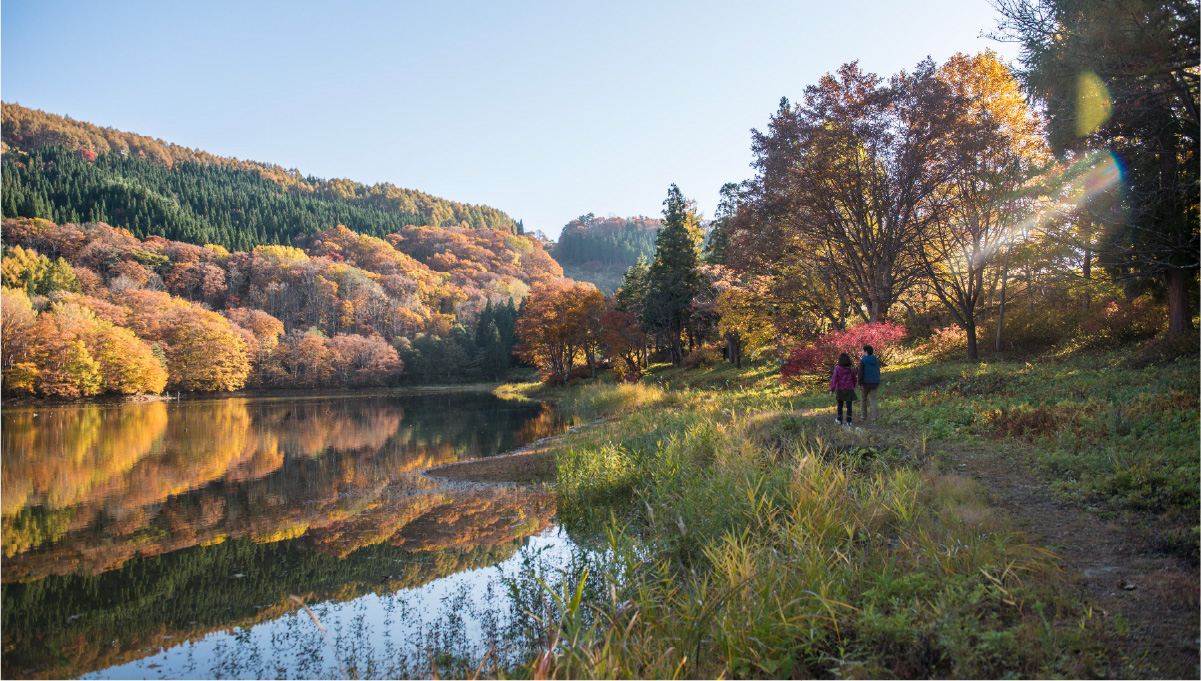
(71, 171)
(89, 309)
(599, 250)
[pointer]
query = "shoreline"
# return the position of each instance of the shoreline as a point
(261, 393)
(529, 464)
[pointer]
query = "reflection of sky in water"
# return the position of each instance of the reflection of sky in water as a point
(375, 636)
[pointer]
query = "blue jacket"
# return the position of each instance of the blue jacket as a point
(869, 370)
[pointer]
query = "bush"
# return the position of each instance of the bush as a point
(622, 373)
(703, 356)
(1167, 348)
(810, 359)
(1122, 323)
(1030, 331)
(803, 360)
(947, 341)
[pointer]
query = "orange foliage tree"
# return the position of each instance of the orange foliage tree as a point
(622, 338)
(204, 351)
(558, 321)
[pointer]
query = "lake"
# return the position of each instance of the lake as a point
(168, 539)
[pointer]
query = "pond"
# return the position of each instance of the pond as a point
(178, 539)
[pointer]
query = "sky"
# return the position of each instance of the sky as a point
(545, 110)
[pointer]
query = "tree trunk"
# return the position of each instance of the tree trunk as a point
(1029, 288)
(676, 347)
(1179, 319)
(973, 352)
(1086, 300)
(1001, 308)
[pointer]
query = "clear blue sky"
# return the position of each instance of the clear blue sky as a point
(546, 110)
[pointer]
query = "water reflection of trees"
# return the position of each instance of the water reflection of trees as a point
(126, 524)
(56, 457)
(64, 626)
(88, 488)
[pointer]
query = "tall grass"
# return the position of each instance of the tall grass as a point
(758, 543)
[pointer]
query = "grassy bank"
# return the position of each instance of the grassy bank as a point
(749, 536)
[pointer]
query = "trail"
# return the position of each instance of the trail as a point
(1147, 600)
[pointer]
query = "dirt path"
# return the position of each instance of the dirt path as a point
(1146, 600)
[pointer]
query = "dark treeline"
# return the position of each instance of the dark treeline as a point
(193, 202)
(466, 354)
(606, 241)
(28, 130)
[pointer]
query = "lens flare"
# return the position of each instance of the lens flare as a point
(1075, 186)
(1092, 176)
(1093, 103)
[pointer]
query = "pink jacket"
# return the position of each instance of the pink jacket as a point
(844, 378)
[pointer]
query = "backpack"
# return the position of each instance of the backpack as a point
(870, 366)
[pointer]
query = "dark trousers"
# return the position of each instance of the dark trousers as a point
(850, 404)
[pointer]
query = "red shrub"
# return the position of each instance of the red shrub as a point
(816, 357)
(804, 360)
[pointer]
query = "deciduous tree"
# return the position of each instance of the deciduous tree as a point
(839, 181)
(991, 153)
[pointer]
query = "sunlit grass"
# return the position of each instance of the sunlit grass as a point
(516, 391)
(749, 537)
(745, 559)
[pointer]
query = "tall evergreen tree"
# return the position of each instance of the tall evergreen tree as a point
(1121, 76)
(631, 294)
(672, 279)
(719, 235)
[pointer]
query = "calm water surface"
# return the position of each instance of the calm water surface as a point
(165, 539)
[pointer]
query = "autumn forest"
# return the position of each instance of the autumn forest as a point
(234, 390)
(936, 198)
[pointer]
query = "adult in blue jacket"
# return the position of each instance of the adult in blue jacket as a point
(869, 379)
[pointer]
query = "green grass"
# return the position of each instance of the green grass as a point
(1105, 434)
(746, 537)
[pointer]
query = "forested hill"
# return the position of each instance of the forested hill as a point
(599, 250)
(70, 171)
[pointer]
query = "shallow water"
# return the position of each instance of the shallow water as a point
(165, 540)
(385, 635)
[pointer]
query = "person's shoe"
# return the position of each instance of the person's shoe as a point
(838, 421)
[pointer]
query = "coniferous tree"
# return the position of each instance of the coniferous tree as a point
(672, 279)
(719, 235)
(1121, 77)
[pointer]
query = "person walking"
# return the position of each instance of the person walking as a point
(842, 386)
(869, 379)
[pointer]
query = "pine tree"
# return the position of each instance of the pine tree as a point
(719, 236)
(673, 280)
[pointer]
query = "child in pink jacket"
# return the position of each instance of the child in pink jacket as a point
(842, 385)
